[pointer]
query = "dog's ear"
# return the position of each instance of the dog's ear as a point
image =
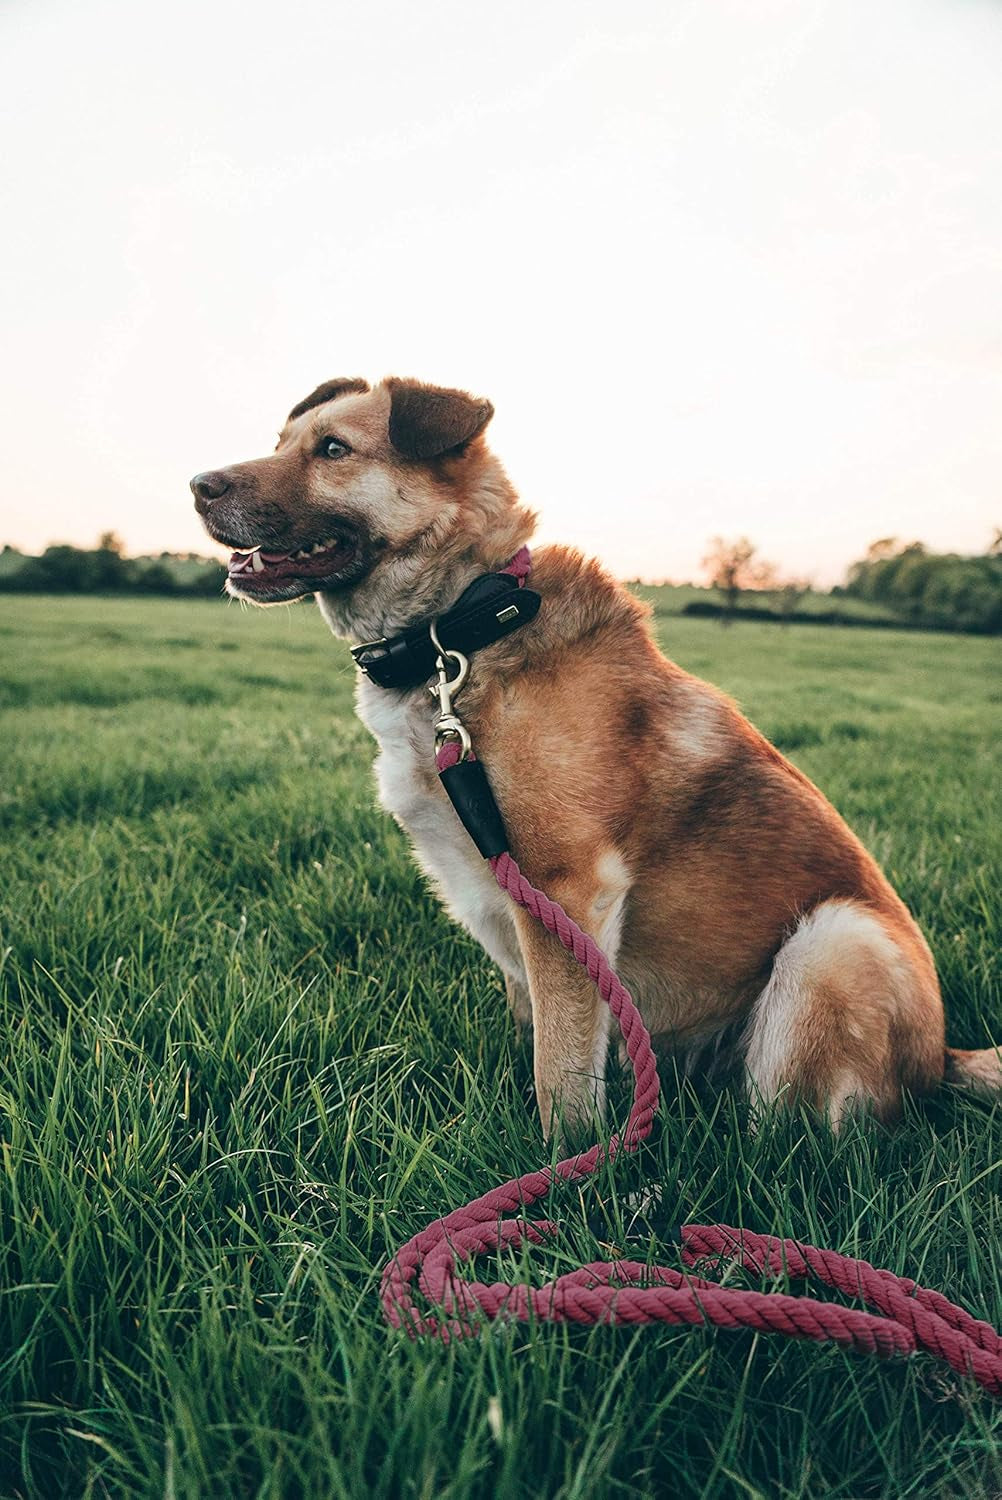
(427, 420)
(344, 385)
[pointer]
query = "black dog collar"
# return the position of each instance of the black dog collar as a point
(491, 608)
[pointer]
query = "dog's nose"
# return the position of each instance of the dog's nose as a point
(208, 487)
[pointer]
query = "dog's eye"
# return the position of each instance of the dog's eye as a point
(331, 447)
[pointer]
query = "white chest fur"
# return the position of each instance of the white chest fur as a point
(402, 726)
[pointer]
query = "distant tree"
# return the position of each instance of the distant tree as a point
(995, 545)
(60, 569)
(110, 541)
(209, 579)
(111, 569)
(788, 594)
(875, 577)
(157, 578)
(734, 567)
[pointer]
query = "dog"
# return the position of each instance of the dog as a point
(737, 906)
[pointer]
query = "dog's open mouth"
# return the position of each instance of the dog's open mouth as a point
(322, 561)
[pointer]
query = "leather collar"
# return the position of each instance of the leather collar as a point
(492, 607)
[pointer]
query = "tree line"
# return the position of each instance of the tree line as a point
(62, 569)
(931, 590)
(942, 589)
(927, 590)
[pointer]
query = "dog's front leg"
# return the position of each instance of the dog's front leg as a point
(570, 1021)
(519, 1004)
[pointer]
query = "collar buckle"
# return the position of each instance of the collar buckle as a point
(360, 654)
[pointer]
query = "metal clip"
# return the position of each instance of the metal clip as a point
(448, 726)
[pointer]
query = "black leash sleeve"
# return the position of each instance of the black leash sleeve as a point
(470, 794)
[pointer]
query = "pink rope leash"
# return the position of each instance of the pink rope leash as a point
(908, 1317)
(911, 1318)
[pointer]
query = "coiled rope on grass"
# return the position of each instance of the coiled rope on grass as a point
(907, 1317)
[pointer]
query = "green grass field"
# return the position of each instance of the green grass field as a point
(246, 1056)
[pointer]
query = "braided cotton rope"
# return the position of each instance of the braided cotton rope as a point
(909, 1317)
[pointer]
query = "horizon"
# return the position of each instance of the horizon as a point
(729, 270)
(216, 554)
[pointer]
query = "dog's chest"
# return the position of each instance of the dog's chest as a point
(402, 728)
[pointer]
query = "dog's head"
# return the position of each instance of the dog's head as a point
(361, 479)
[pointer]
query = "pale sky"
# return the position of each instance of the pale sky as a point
(731, 266)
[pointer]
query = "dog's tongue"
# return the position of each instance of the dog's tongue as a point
(243, 562)
(308, 562)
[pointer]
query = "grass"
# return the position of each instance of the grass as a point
(246, 1056)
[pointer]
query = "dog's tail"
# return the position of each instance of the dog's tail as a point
(980, 1072)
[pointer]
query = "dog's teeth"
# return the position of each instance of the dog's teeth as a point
(318, 547)
(256, 562)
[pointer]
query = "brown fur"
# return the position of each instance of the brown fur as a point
(733, 898)
(341, 385)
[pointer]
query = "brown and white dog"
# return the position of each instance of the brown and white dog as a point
(734, 901)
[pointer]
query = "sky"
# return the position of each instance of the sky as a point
(724, 267)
